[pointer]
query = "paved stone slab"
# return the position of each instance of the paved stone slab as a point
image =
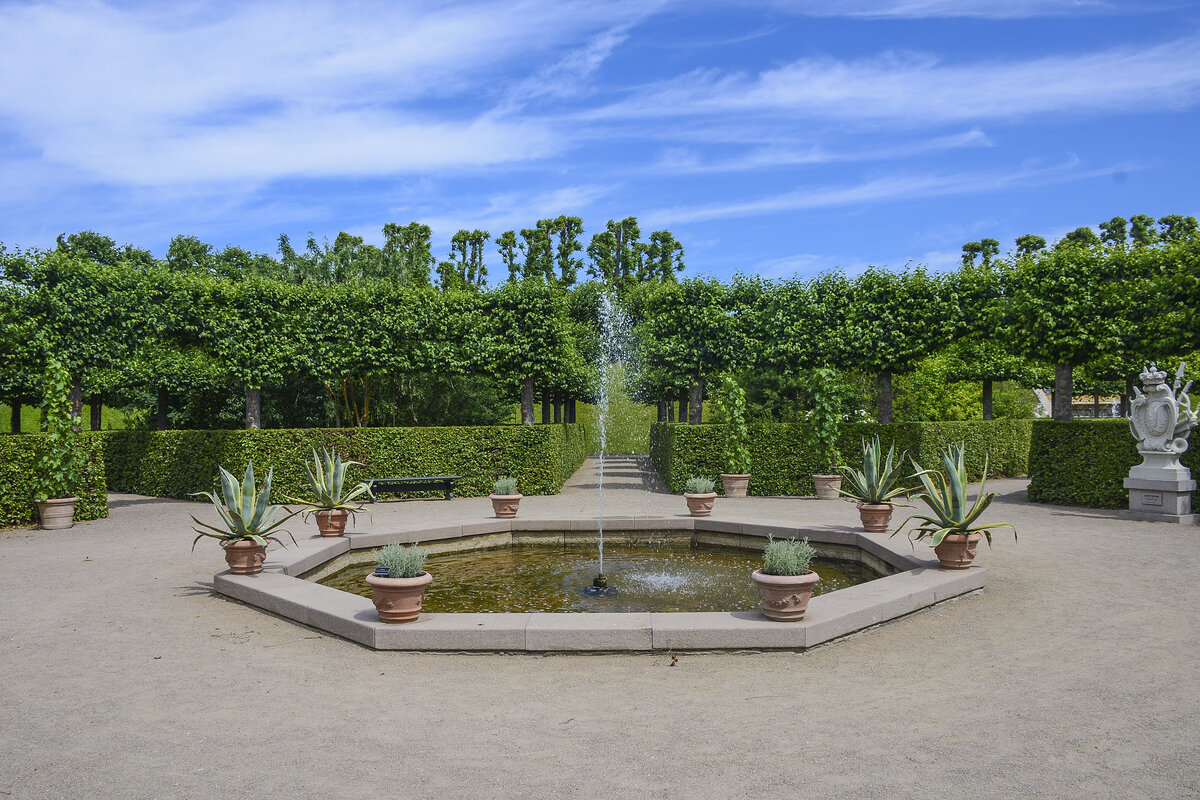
(455, 632)
(587, 632)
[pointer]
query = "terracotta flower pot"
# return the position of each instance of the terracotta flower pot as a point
(701, 505)
(244, 556)
(784, 597)
(57, 513)
(827, 486)
(398, 599)
(332, 523)
(875, 517)
(735, 484)
(505, 505)
(957, 551)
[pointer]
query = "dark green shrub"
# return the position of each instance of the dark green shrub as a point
(177, 463)
(1085, 462)
(786, 455)
(18, 459)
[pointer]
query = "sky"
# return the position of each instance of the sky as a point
(771, 138)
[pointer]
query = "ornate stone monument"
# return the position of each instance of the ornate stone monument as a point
(1160, 488)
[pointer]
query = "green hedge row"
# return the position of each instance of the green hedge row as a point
(177, 463)
(1085, 462)
(18, 455)
(784, 456)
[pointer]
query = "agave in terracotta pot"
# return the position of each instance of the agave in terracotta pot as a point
(875, 485)
(334, 504)
(246, 513)
(952, 525)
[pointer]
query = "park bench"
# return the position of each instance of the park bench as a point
(441, 483)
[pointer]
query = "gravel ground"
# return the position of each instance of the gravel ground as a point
(1074, 674)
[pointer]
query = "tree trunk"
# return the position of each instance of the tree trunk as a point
(1096, 405)
(15, 419)
(558, 409)
(253, 409)
(569, 411)
(670, 410)
(1125, 397)
(662, 410)
(683, 406)
(1064, 392)
(883, 397)
(527, 401)
(44, 422)
(546, 403)
(987, 398)
(76, 403)
(696, 402)
(97, 408)
(163, 406)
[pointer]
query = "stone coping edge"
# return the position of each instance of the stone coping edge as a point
(919, 584)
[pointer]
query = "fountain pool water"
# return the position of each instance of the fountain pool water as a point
(657, 575)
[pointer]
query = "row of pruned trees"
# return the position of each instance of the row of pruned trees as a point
(132, 325)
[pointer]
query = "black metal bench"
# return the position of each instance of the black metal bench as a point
(441, 483)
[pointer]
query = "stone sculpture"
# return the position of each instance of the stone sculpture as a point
(1161, 417)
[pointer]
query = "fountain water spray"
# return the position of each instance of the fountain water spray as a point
(614, 333)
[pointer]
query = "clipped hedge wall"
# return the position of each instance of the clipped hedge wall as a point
(784, 457)
(18, 454)
(1085, 462)
(177, 463)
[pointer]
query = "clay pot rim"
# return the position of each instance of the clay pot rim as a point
(240, 542)
(735, 474)
(838, 475)
(60, 500)
(876, 505)
(700, 495)
(417, 580)
(790, 580)
(505, 496)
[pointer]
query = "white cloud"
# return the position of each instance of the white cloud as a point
(916, 9)
(876, 190)
(519, 209)
(683, 161)
(916, 90)
(276, 89)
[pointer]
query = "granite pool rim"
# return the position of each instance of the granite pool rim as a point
(918, 583)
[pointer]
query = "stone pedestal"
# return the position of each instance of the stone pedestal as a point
(1152, 500)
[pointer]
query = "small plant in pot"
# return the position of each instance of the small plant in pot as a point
(399, 581)
(875, 485)
(952, 525)
(246, 512)
(825, 420)
(505, 498)
(334, 504)
(700, 496)
(785, 581)
(735, 445)
(60, 459)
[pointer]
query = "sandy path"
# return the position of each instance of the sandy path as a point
(1075, 674)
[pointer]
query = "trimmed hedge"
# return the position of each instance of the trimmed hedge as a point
(177, 463)
(784, 457)
(1085, 462)
(18, 454)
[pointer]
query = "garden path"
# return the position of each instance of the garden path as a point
(1075, 674)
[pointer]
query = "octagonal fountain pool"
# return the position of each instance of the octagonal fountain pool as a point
(658, 564)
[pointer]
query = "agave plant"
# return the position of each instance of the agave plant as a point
(245, 510)
(876, 483)
(946, 496)
(327, 482)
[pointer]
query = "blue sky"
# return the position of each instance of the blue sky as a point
(772, 138)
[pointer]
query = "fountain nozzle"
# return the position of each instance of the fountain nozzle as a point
(600, 587)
